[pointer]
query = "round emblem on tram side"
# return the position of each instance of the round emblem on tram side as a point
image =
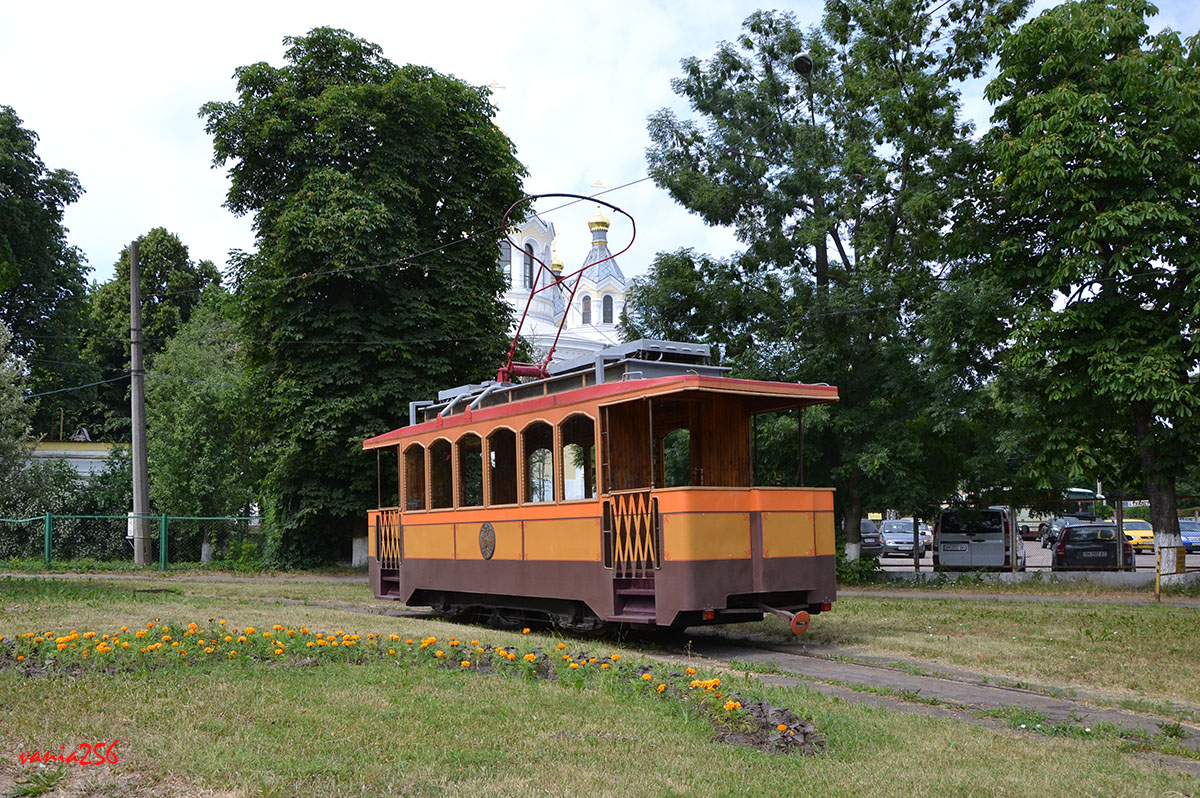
(487, 540)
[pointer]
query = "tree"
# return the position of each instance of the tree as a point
(200, 445)
(1097, 209)
(14, 412)
(42, 285)
(376, 192)
(870, 156)
(171, 287)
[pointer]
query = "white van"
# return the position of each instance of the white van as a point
(966, 538)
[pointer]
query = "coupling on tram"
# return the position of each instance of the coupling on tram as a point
(617, 489)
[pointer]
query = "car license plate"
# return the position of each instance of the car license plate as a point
(1095, 554)
(954, 547)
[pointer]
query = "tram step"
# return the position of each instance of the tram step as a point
(627, 618)
(635, 591)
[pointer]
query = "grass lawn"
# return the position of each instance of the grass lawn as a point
(312, 721)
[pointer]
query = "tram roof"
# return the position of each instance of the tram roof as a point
(775, 396)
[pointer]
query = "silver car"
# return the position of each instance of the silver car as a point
(898, 538)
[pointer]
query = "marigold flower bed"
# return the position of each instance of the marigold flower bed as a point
(218, 643)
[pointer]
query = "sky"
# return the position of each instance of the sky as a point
(113, 91)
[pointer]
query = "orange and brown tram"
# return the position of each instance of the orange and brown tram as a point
(618, 490)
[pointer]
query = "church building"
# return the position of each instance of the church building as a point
(596, 308)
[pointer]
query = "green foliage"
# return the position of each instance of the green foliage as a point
(42, 285)
(14, 412)
(873, 158)
(1096, 202)
(198, 416)
(351, 165)
(171, 287)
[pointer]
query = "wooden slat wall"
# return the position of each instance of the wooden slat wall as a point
(724, 441)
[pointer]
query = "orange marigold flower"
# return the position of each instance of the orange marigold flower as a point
(233, 655)
(781, 727)
(182, 653)
(647, 676)
(124, 644)
(690, 671)
(574, 666)
(322, 643)
(409, 641)
(227, 639)
(221, 622)
(525, 631)
(277, 628)
(531, 657)
(616, 657)
(661, 687)
(604, 666)
(241, 638)
(208, 650)
(124, 628)
(20, 657)
(439, 653)
(466, 663)
(512, 656)
(561, 646)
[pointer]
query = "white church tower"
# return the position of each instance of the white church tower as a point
(592, 318)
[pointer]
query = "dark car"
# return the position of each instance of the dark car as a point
(1092, 547)
(1052, 527)
(898, 539)
(872, 541)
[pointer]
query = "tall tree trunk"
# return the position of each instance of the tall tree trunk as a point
(1160, 488)
(851, 519)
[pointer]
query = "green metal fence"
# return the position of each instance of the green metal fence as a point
(172, 541)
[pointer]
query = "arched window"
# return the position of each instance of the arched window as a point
(529, 265)
(587, 310)
(607, 311)
(578, 457)
(538, 445)
(470, 471)
(502, 460)
(414, 477)
(506, 261)
(441, 476)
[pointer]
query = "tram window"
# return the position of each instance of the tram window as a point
(388, 476)
(778, 448)
(414, 477)
(538, 440)
(579, 458)
(470, 471)
(441, 476)
(677, 458)
(502, 460)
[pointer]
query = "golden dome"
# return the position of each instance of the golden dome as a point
(599, 221)
(556, 264)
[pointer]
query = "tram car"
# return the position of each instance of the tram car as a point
(618, 490)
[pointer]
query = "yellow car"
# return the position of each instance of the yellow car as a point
(1139, 533)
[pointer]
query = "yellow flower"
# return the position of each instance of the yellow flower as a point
(322, 643)
(647, 676)
(62, 646)
(228, 639)
(208, 650)
(616, 657)
(277, 628)
(574, 666)
(221, 622)
(466, 663)
(439, 653)
(333, 643)
(309, 644)
(266, 634)
(241, 638)
(604, 666)
(233, 655)
(690, 671)
(661, 687)
(139, 633)
(124, 628)
(394, 638)
(249, 630)
(124, 644)
(531, 657)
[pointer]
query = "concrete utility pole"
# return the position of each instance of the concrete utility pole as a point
(138, 519)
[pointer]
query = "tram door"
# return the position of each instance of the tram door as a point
(633, 465)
